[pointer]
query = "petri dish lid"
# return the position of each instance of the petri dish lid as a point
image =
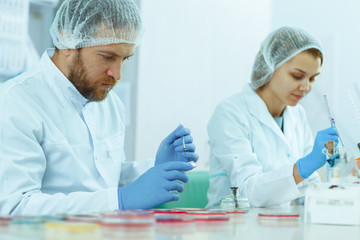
(169, 212)
(236, 212)
(279, 215)
(136, 214)
(71, 226)
(27, 220)
(84, 218)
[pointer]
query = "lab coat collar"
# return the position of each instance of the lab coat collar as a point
(58, 80)
(258, 108)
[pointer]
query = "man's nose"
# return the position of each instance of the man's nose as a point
(115, 71)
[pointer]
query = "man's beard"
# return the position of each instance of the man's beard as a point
(92, 91)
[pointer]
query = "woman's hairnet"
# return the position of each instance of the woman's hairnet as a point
(88, 23)
(279, 47)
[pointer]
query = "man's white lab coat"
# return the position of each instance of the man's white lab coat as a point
(248, 150)
(58, 152)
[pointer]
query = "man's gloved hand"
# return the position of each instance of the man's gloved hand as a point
(316, 159)
(154, 187)
(172, 149)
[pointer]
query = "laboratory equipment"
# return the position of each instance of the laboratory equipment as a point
(193, 163)
(338, 200)
(237, 216)
(128, 218)
(183, 141)
(5, 221)
(211, 215)
(71, 230)
(344, 158)
(129, 224)
(278, 219)
(234, 201)
(333, 204)
(89, 218)
(332, 158)
(172, 221)
(331, 118)
(27, 227)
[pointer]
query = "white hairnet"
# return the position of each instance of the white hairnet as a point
(279, 47)
(88, 23)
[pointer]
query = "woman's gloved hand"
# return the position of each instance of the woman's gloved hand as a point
(316, 159)
(154, 187)
(172, 147)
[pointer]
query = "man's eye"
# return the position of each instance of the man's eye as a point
(107, 57)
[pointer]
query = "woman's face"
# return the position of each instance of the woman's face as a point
(294, 79)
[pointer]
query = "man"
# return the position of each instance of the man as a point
(62, 129)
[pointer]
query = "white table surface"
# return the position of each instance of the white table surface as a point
(244, 227)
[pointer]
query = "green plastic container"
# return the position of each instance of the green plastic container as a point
(194, 194)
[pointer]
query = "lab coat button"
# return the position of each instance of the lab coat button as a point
(288, 155)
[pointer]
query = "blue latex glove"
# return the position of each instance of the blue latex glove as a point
(171, 148)
(316, 159)
(154, 187)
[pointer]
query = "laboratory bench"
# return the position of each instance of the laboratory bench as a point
(257, 223)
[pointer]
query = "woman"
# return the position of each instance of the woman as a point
(260, 140)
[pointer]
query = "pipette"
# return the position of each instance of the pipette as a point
(184, 148)
(332, 120)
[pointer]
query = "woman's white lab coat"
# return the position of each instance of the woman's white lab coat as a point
(59, 152)
(248, 150)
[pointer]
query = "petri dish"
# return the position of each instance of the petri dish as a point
(128, 218)
(90, 218)
(72, 226)
(238, 216)
(57, 230)
(5, 221)
(211, 215)
(279, 219)
(178, 223)
(129, 224)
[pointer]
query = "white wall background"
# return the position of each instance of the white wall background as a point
(193, 54)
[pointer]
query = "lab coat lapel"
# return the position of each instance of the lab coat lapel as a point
(258, 109)
(288, 124)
